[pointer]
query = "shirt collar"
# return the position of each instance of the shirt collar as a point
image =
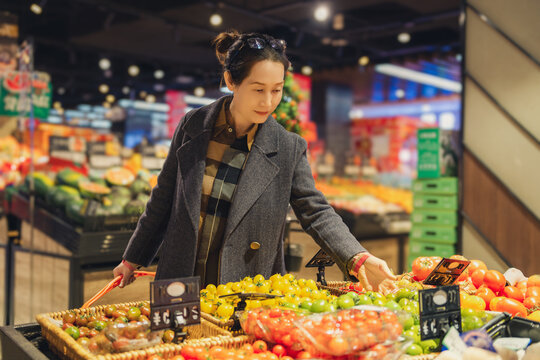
(224, 123)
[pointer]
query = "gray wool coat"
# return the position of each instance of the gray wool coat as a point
(276, 173)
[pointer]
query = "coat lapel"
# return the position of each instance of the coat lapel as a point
(191, 156)
(258, 173)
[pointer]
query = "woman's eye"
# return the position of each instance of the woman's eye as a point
(277, 91)
(259, 90)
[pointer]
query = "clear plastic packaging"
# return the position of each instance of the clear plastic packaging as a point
(122, 337)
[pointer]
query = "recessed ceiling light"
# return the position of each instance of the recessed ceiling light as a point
(36, 9)
(125, 90)
(133, 70)
(307, 70)
(199, 91)
(404, 37)
(110, 98)
(321, 13)
(364, 60)
(57, 105)
(338, 22)
(151, 98)
(104, 64)
(216, 19)
(143, 94)
(106, 105)
(103, 88)
(61, 90)
(400, 94)
(159, 74)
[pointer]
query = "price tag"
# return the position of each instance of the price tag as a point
(320, 259)
(150, 160)
(68, 148)
(446, 272)
(175, 303)
(99, 157)
(439, 311)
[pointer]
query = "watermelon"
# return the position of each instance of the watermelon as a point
(116, 199)
(60, 195)
(119, 176)
(74, 211)
(134, 208)
(70, 178)
(42, 183)
(97, 180)
(114, 209)
(140, 186)
(93, 190)
(120, 191)
(143, 198)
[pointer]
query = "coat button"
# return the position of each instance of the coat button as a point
(255, 245)
(229, 130)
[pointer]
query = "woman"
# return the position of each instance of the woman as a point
(219, 207)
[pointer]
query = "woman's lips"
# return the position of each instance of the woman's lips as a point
(262, 113)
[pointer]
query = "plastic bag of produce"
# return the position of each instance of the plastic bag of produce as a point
(351, 332)
(120, 337)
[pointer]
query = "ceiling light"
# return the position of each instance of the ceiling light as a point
(340, 42)
(104, 64)
(143, 94)
(199, 91)
(364, 60)
(400, 94)
(103, 88)
(57, 105)
(159, 74)
(125, 90)
(216, 19)
(459, 57)
(36, 8)
(110, 98)
(321, 13)
(307, 70)
(326, 40)
(106, 105)
(151, 98)
(339, 22)
(133, 70)
(61, 90)
(404, 37)
(419, 77)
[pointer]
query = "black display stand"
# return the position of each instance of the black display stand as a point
(24, 342)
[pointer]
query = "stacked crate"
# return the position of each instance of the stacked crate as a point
(434, 218)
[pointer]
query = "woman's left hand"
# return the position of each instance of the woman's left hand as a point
(375, 275)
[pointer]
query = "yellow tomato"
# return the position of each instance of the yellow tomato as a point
(534, 316)
(279, 284)
(316, 295)
(250, 288)
(306, 292)
(258, 278)
(225, 310)
(269, 302)
(288, 289)
(247, 279)
(301, 282)
(237, 287)
(207, 307)
(275, 277)
(289, 277)
(253, 304)
(211, 288)
(262, 287)
(310, 283)
(223, 291)
(276, 292)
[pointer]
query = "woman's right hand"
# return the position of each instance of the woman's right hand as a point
(126, 269)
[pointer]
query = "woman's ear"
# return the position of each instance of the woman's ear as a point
(228, 80)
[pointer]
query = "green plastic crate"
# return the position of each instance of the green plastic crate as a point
(434, 217)
(440, 186)
(437, 202)
(436, 234)
(421, 248)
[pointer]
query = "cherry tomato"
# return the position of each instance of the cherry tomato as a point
(477, 277)
(475, 265)
(422, 267)
(494, 280)
(279, 350)
(534, 280)
(511, 306)
(532, 303)
(494, 303)
(178, 357)
(485, 293)
(533, 291)
(513, 292)
(154, 357)
(338, 345)
(304, 355)
(188, 352)
(259, 346)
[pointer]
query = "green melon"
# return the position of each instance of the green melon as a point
(119, 176)
(140, 186)
(73, 210)
(93, 190)
(120, 191)
(134, 208)
(42, 183)
(59, 196)
(69, 177)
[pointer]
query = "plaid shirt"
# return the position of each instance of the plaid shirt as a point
(226, 157)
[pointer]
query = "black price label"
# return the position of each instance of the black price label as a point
(99, 157)
(439, 310)
(320, 259)
(175, 303)
(446, 272)
(68, 148)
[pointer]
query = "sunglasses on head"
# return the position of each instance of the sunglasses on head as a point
(260, 43)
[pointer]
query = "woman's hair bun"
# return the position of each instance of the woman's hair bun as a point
(223, 43)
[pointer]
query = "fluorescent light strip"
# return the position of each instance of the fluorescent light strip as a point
(198, 100)
(419, 77)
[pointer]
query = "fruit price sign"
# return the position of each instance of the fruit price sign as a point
(175, 303)
(439, 310)
(71, 148)
(446, 272)
(15, 83)
(103, 155)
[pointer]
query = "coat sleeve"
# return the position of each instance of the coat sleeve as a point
(317, 217)
(148, 235)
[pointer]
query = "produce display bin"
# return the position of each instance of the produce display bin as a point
(434, 217)
(64, 260)
(435, 234)
(440, 186)
(437, 202)
(421, 248)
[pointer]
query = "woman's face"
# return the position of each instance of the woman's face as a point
(259, 94)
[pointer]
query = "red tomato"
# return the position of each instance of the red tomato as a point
(475, 265)
(422, 267)
(304, 355)
(286, 358)
(279, 350)
(154, 357)
(247, 348)
(533, 291)
(534, 280)
(532, 303)
(338, 345)
(201, 353)
(477, 277)
(513, 292)
(485, 293)
(512, 306)
(494, 303)
(178, 357)
(494, 280)
(259, 346)
(188, 352)
(216, 351)
(458, 257)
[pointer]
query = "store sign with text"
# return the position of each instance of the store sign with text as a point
(19, 90)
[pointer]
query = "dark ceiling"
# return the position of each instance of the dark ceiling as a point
(72, 35)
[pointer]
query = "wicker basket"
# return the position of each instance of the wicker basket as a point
(65, 347)
(227, 325)
(420, 357)
(334, 287)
